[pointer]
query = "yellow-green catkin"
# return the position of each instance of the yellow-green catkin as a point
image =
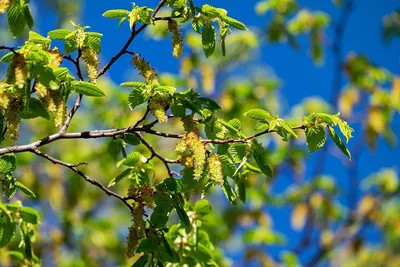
(147, 72)
(192, 153)
(89, 56)
(190, 125)
(177, 40)
(52, 99)
(4, 4)
(12, 116)
(143, 196)
(4, 100)
(215, 169)
(17, 71)
(157, 107)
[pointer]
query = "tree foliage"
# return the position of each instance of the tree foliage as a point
(166, 148)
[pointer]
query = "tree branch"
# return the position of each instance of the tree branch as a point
(74, 168)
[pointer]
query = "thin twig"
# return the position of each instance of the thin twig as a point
(74, 168)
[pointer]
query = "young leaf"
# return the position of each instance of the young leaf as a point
(131, 159)
(86, 88)
(259, 115)
(59, 34)
(28, 17)
(183, 217)
(29, 215)
(115, 13)
(208, 39)
(315, 138)
(136, 98)
(7, 164)
(141, 262)
(229, 193)
(259, 157)
(234, 23)
(339, 143)
(202, 207)
(119, 177)
(24, 189)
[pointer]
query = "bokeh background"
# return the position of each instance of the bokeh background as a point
(80, 225)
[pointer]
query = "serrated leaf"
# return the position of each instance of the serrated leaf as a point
(315, 138)
(148, 245)
(229, 193)
(234, 23)
(338, 141)
(35, 109)
(45, 76)
(242, 191)
(94, 42)
(259, 115)
(228, 167)
(136, 98)
(138, 85)
(131, 159)
(115, 13)
(208, 38)
(287, 128)
(59, 34)
(8, 164)
(16, 19)
(7, 226)
(86, 88)
(37, 38)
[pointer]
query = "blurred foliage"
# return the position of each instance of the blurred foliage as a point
(208, 196)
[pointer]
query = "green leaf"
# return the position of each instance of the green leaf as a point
(259, 157)
(201, 253)
(59, 34)
(228, 167)
(136, 98)
(7, 226)
(229, 193)
(7, 58)
(339, 143)
(115, 147)
(259, 115)
(183, 217)
(131, 139)
(28, 17)
(148, 245)
(287, 128)
(173, 256)
(24, 189)
(208, 38)
(315, 138)
(86, 88)
(7, 164)
(202, 207)
(132, 159)
(242, 191)
(141, 262)
(138, 85)
(29, 215)
(119, 177)
(173, 184)
(234, 23)
(209, 104)
(35, 109)
(38, 39)
(45, 76)
(94, 42)
(115, 13)
(16, 19)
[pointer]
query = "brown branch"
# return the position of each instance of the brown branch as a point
(74, 168)
(124, 49)
(8, 48)
(155, 154)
